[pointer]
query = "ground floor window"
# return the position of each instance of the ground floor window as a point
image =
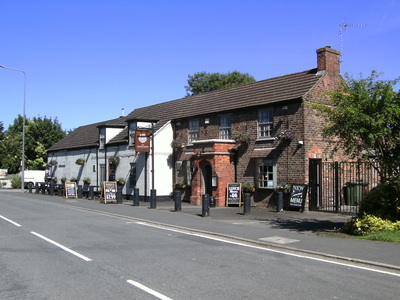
(266, 174)
(102, 173)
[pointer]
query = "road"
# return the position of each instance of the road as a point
(53, 251)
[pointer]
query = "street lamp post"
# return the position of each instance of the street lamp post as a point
(23, 129)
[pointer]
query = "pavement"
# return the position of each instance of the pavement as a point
(314, 233)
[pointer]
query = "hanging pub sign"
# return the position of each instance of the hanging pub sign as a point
(298, 196)
(142, 140)
(70, 189)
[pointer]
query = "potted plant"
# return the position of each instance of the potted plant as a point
(54, 179)
(80, 161)
(248, 187)
(242, 139)
(285, 134)
(284, 188)
(73, 179)
(86, 180)
(63, 179)
(114, 160)
(177, 144)
(52, 162)
(180, 185)
(120, 181)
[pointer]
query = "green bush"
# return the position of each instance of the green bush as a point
(382, 201)
(368, 224)
(15, 181)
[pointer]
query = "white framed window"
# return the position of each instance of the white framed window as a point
(225, 127)
(265, 123)
(194, 129)
(267, 174)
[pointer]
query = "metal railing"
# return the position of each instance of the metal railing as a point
(343, 185)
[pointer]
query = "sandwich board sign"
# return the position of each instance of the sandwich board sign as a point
(70, 189)
(234, 194)
(298, 196)
(110, 192)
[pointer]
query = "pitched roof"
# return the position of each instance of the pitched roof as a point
(268, 91)
(264, 92)
(86, 136)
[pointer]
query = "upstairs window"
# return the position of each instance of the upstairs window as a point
(225, 127)
(265, 123)
(194, 129)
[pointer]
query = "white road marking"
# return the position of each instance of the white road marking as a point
(148, 290)
(61, 246)
(8, 220)
(271, 250)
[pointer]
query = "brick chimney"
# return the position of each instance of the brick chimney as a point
(328, 60)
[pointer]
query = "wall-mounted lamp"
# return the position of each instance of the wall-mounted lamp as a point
(206, 120)
(300, 142)
(214, 181)
(285, 107)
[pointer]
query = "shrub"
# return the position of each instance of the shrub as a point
(368, 224)
(382, 202)
(15, 181)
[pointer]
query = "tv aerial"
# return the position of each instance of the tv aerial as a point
(343, 26)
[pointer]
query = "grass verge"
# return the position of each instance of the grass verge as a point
(383, 236)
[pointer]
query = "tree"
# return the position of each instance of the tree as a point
(40, 134)
(203, 82)
(364, 119)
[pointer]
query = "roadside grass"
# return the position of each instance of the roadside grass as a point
(383, 236)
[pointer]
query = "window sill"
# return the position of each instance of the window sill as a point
(266, 139)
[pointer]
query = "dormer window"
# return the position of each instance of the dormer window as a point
(102, 138)
(131, 135)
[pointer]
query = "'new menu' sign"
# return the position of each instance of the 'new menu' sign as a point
(298, 196)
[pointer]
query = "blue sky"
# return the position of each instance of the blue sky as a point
(85, 60)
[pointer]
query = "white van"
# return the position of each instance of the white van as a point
(33, 176)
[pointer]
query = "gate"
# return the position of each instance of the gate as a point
(339, 186)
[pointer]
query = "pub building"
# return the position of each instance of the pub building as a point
(262, 133)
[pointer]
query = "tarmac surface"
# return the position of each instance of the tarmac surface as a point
(308, 232)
